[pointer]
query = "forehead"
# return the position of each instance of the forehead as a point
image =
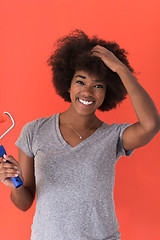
(86, 75)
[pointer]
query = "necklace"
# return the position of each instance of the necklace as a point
(81, 136)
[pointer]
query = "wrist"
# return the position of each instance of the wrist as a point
(121, 69)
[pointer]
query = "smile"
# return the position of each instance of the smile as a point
(85, 102)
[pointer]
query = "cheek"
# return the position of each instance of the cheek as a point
(73, 92)
(101, 95)
(102, 99)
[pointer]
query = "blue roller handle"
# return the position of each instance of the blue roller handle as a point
(16, 180)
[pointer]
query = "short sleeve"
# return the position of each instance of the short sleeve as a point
(120, 149)
(25, 139)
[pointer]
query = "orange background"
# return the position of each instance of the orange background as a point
(28, 30)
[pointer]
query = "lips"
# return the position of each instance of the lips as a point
(85, 102)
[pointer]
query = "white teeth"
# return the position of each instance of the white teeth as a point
(85, 102)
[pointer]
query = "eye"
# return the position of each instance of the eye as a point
(80, 82)
(98, 86)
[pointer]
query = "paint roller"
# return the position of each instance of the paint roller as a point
(16, 180)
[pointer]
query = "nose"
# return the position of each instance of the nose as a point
(88, 91)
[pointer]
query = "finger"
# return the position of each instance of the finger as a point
(9, 171)
(10, 159)
(8, 165)
(95, 50)
(97, 54)
(94, 54)
(2, 165)
(8, 174)
(99, 48)
(14, 162)
(2, 160)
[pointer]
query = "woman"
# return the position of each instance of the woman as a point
(69, 159)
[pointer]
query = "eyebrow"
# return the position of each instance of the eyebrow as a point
(85, 78)
(101, 81)
(81, 76)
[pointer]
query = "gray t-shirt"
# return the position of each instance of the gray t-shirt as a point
(74, 184)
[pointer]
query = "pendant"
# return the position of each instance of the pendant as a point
(80, 137)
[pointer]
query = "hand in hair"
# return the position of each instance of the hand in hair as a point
(109, 59)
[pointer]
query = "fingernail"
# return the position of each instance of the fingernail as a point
(15, 167)
(4, 160)
(4, 155)
(16, 175)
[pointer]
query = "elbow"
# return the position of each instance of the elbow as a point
(22, 204)
(154, 126)
(23, 207)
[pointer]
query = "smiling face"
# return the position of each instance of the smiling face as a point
(87, 92)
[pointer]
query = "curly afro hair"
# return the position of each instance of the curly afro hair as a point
(73, 53)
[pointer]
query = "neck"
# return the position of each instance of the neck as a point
(78, 120)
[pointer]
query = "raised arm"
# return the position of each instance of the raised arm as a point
(141, 132)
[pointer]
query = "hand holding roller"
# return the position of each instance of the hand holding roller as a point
(16, 180)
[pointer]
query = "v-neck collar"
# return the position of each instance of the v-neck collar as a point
(65, 144)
